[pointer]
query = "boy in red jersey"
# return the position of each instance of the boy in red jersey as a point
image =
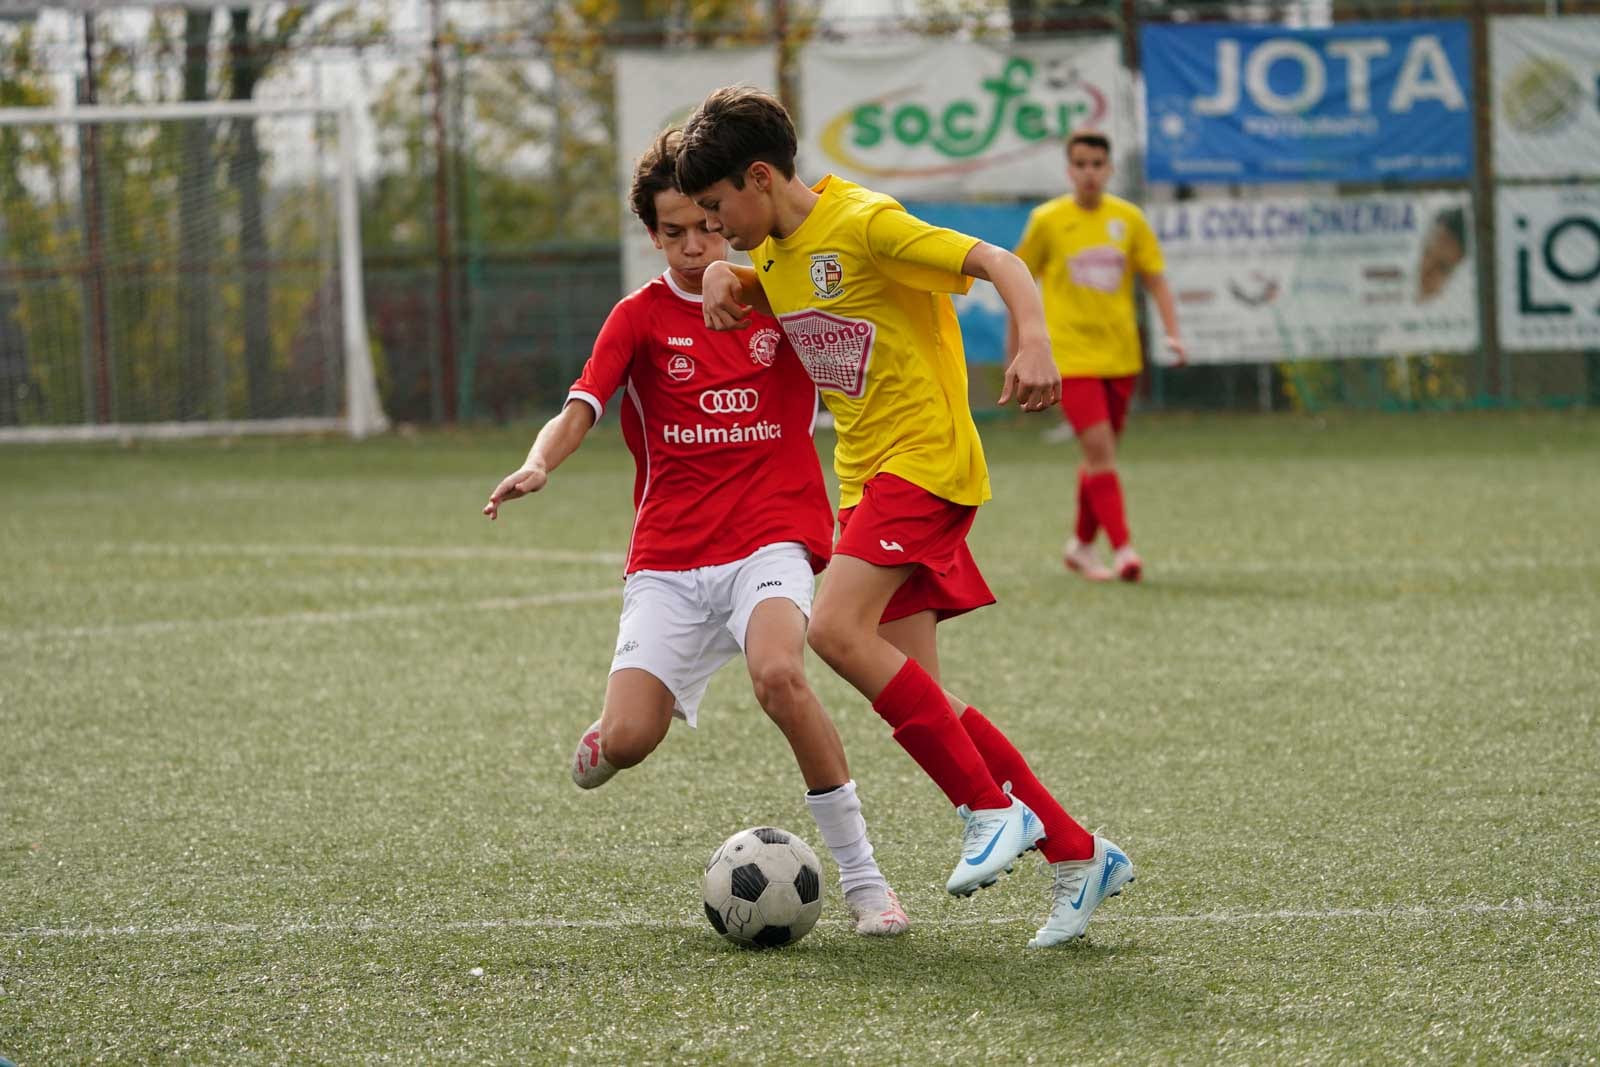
(1084, 248)
(861, 290)
(731, 524)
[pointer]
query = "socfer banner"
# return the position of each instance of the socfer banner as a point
(958, 118)
(1548, 246)
(1545, 75)
(1311, 278)
(659, 89)
(1364, 101)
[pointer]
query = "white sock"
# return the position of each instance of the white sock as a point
(844, 831)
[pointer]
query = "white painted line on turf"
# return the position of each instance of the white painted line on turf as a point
(314, 618)
(420, 552)
(1514, 909)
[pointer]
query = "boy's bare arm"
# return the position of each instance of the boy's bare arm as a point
(1031, 374)
(1167, 308)
(728, 292)
(559, 438)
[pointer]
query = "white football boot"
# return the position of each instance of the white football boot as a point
(877, 911)
(1079, 887)
(1080, 559)
(589, 766)
(991, 843)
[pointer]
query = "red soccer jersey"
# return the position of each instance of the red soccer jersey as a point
(719, 424)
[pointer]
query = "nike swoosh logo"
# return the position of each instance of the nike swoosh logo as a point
(767, 265)
(995, 840)
(1084, 888)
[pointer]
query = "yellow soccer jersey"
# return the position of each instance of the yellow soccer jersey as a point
(862, 291)
(1085, 262)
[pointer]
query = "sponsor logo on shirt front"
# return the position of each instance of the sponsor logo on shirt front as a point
(1097, 268)
(764, 345)
(737, 434)
(729, 401)
(827, 274)
(835, 350)
(680, 342)
(680, 368)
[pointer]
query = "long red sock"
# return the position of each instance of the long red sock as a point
(927, 728)
(1105, 497)
(1087, 524)
(1064, 838)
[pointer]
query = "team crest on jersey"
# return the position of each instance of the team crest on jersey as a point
(827, 275)
(680, 368)
(764, 346)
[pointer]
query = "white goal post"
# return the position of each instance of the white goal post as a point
(182, 270)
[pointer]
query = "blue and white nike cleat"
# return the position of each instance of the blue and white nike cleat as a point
(993, 840)
(1079, 887)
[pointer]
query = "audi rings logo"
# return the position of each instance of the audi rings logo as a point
(728, 401)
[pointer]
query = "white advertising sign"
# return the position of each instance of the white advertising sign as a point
(1545, 74)
(1549, 266)
(958, 118)
(1303, 278)
(658, 89)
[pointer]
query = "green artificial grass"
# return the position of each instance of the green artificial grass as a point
(286, 724)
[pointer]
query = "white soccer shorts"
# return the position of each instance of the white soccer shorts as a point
(682, 626)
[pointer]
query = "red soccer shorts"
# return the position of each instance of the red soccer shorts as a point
(898, 523)
(1089, 401)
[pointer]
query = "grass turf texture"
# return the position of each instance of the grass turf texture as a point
(286, 728)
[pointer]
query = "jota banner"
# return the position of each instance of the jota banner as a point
(659, 89)
(1548, 251)
(1545, 75)
(1308, 278)
(1364, 102)
(925, 119)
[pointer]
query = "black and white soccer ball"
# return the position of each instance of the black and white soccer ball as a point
(763, 888)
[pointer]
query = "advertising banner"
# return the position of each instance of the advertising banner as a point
(658, 89)
(1359, 102)
(958, 118)
(1309, 278)
(1545, 75)
(1549, 265)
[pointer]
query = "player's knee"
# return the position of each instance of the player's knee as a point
(830, 639)
(780, 687)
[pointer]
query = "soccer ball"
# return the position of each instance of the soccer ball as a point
(763, 888)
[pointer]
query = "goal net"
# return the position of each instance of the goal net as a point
(179, 270)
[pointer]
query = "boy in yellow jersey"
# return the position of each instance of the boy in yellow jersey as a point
(1081, 247)
(861, 289)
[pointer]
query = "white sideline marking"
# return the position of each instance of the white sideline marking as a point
(309, 618)
(1512, 908)
(443, 552)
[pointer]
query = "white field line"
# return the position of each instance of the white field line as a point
(423, 552)
(1424, 913)
(313, 618)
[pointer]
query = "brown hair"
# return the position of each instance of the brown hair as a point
(731, 129)
(655, 173)
(1089, 139)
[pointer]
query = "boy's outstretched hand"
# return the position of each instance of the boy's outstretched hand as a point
(520, 482)
(720, 299)
(1032, 378)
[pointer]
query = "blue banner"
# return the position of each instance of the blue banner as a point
(1358, 102)
(981, 312)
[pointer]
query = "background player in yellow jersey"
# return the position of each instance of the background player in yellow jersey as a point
(861, 289)
(1085, 248)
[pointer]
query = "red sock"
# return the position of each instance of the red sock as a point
(926, 728)
(1065, 839)
(1087, 525)
(1105, 497)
